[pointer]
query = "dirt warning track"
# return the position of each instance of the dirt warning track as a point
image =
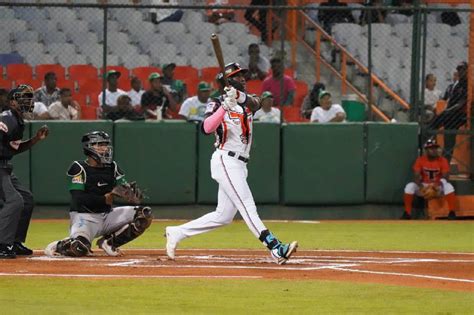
(451, 271)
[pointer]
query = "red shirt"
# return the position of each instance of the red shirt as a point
(431, 170)
(273, 85)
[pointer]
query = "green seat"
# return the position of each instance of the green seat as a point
(355, 111)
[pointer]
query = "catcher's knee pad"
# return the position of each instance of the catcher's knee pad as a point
(141, 221)
(74, 247)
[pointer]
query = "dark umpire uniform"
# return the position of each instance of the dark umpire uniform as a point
(18, 203)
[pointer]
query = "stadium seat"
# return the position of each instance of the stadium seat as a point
(143, 72)
(63, 83)
(254, 87)
(208, 74)
(124, 72)
(301, 92)
(77, 72)
(191, 86)
(89, 86)
(291, 114)
(185, 72)
(35, 83)
(15, 71)
(42, 69)
(80, 98)
(5, 84)
(88, 112)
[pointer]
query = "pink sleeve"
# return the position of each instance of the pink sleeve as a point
(212, 122)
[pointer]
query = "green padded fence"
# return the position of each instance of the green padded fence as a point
(206, 187)
(391, 152)
(21, 162)
(161, 157)
(323, 164)
(51, 158)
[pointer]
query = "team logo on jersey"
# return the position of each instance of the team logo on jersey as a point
(77, 180)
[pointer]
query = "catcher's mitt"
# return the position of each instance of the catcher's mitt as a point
(130, 192)
(430, 191)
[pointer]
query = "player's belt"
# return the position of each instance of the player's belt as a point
(238, 157)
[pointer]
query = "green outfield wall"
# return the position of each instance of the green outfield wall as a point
(292, 164)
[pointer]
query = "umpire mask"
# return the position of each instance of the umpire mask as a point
(91, 140)
(23, 95)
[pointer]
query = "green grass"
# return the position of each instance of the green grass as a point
(377, 235)
(61, 296)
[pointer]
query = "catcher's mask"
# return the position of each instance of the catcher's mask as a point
(94, 138)
(23, 95)
(230, 70)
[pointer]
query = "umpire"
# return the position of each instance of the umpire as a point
(17, 207)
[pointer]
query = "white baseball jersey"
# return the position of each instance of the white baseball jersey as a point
(235, 131)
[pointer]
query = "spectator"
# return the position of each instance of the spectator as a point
(49, 92)
(258, 65)
(165, 15)
(194, 108)
(218, 15)
(136, 92)
(330, 17)
(327, 112)
(450, 87)
(402, 4)
(311, 100)
(176, 87)
(430, 169)
(279, 82)
(40, 111)
(261, 23)
(376, 16)
(454, 116)
(112, 92)
(124, 110)
(157, 99)
(267, 113)
(220, 86)
(3, 99)
(66, 108)
(432, 96)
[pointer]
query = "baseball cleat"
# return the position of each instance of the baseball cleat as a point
(21, 250)
(282, 253)
(108, 249)
(7, 251)
(50, 250)
(172, 240)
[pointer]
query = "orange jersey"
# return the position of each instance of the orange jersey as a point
(431, 170)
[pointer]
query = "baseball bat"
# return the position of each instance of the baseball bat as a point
(220, 57)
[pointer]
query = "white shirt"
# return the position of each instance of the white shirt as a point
(432, 97)
(273, 116)
(323, 116)
(58, 111)
(193, 109)
(39, 108)
(111, 97)
(136, 96)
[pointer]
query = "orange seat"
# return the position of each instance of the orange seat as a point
(89, 86)
(254, 87)
(63, 83)
(88, 112)
(41, 70)
(124, 72)
(77, 72)
(80, 98)
(185, 73)
(5, 84)
(19, 71)
(208, 74)
(191, 86)
(35, 83)
(93, 100)
(291, 114)
(300, 93)
(143, 72)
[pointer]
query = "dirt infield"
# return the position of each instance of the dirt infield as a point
(451, 271)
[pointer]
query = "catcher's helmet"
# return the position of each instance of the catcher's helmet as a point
(431, 143)
(23, 95)
(97, 137)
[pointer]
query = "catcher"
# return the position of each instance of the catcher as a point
(431, 173)
(94, 184)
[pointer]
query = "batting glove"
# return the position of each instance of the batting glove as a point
(231, 92)
(229, 103)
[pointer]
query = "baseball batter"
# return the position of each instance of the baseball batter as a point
(229, 117)
(431, 173)
(91, 183)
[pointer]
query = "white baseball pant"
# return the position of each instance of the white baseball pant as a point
(412, 188)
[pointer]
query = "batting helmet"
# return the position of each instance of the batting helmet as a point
(232, 69)
(23, 95)
(431, 143)
(97, 137)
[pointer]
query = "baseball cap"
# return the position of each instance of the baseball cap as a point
(431, 143)
(204, 86)
(154, 75)
(267, 94)
(166, 65)
(111, 73)
(462, 65)
(323, 93)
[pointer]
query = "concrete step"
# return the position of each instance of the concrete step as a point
(438, 207)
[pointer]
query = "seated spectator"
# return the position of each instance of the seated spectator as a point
(111, 93)
(194, 108)
(267, 113)
(136, 92)
(261, 23)
(40, 111)
(157, 99)
(176, 87)
(165, 15)
(258, 65)
(376, 16)
(330, 17)
(327, 111)
(66, 108)
(311, 100)
(218, 15)
(451, 86)
(124, 110)
(430, 169)
(454, 116)
(220, 86)
(3, 99)
(49, 92)
(432, 96)
(272, 84)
